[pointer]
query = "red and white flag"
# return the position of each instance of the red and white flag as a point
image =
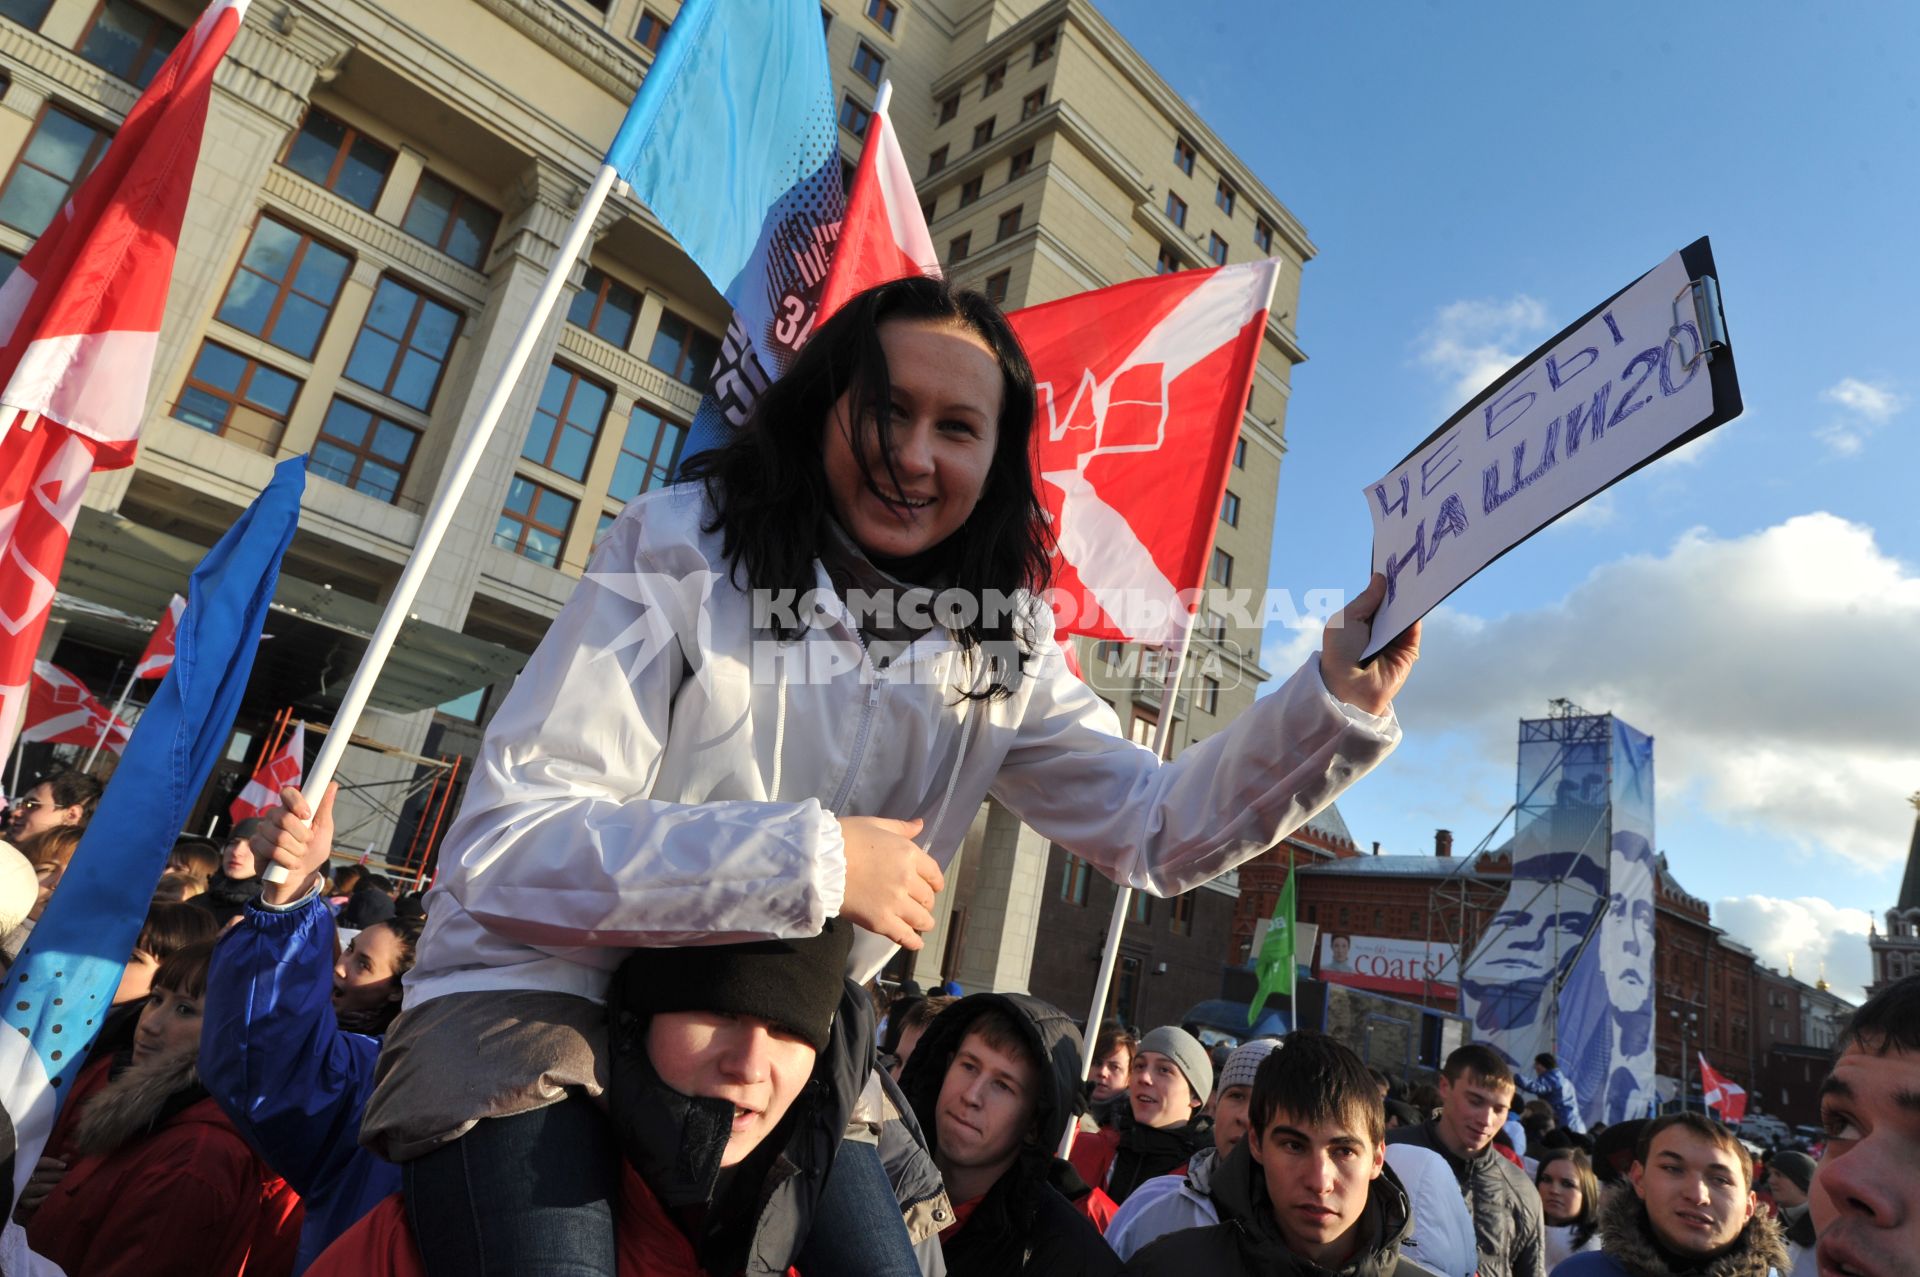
(1721, 1093)
(79, 325)
(61, 711)
(884, 234)
(158, 658)
(286, 767)
(1139, 391)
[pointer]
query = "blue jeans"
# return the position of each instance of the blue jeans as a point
(857, 1227)
(531, 1195)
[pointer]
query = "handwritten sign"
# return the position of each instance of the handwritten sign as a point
(1633, 379)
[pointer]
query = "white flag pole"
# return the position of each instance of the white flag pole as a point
(113, 716)
(453, 485)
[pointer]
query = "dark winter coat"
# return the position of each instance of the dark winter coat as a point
(1247, 1240)
(1122, 1157)
(1507, 1223)
(1628, 1247)
(225, 897)
(1025, 1223)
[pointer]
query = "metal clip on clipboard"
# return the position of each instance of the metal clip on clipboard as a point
(1709, 321)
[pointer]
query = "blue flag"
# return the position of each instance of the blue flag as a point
(732, 144)
(59, 991)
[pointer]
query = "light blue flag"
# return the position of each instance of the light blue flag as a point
(732, 143)
(59, 991)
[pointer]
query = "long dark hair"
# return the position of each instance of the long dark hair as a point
(1587, 1222)
(768, 486)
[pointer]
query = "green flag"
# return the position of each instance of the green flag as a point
(1277, 963)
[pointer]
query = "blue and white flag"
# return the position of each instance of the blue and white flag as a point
(59, 991)
(732, 144)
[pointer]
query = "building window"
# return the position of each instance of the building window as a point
(1168, 261)
(606, 308)
(1022, 165)
(1216, 627)
(969, 191)
(1176, 209)
(649, 454)
(285, 288)
(1030, 105)
(1263, 236)
(9, 262)
(336, 156)
(684, 352)
(403, 346)
(1140, 909)
(449, 219)
(1223, 198)
(1044, 46)
(651, 31)
(1180, 919)
(983, 133)
(867, 63)
(1209, 698)
(949, 107)
(996, 76)
(957, 247)
(362, 450)
(1074, 877)
(1230, 510)
(600, 528)
(1217, 249)
(937, 160)
(1240, 454)
(534, 522)
(1220, 571)
(63, 149)
(854, 116)
(130, 42)
(1183, 155)
(231, 395)
(926, 209)
(1009, 223)
(884, 14)
(566, 423)
(28, 13)
(997, 285)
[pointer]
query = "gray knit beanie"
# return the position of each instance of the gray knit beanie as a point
(1187, 1054)
(1244, 1063)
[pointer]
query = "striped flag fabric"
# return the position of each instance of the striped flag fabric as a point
(79, 325)
(732, 143)
(884, 234)
(62, 711)
(262, 791)
(157, 659)
(1720, 1092)
(57, 993)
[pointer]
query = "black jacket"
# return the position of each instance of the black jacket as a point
(1247, 1241)
(1507, 1224)
(1025, 1223)
(227, 898)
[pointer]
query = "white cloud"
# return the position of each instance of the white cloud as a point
(1473, 342)
(1595, 512)
(1816, 936)
(1867, 406)
(1752, 662)
(1285, 649)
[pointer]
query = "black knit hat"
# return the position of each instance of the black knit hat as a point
(795, 984)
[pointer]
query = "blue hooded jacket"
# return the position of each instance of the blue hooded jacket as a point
(280, 1066)
(1553, 1087)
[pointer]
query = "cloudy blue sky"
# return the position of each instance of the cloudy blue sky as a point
(1476, 177)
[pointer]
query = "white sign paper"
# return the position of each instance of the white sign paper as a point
(1601, 399)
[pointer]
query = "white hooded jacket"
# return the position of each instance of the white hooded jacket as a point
(665, 772)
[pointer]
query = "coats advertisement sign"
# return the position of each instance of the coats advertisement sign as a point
(1407, 968)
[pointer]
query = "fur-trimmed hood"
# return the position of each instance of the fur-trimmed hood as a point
(139, 1100)
(1626, 1236)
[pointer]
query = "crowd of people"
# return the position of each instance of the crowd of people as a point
(634, 1027)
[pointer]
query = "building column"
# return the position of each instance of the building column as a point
(1003, 908)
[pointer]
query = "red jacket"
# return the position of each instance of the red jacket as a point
(189, 1200)
(381, 1244)
(1092, 1155)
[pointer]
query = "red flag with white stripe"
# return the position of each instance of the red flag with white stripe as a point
(61, 711)
(884, 234)
(1720, 1092)
(1139, 392)
(157, 659)
(79, 325)
(286, 767)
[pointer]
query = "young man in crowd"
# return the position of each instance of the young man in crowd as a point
(1865, 1196)
(1551, 1085)
(1476, 1093)
(1172, 1078)
(1687, 1207)
(993, 1082)
(1308, 1191)
(238, 882)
